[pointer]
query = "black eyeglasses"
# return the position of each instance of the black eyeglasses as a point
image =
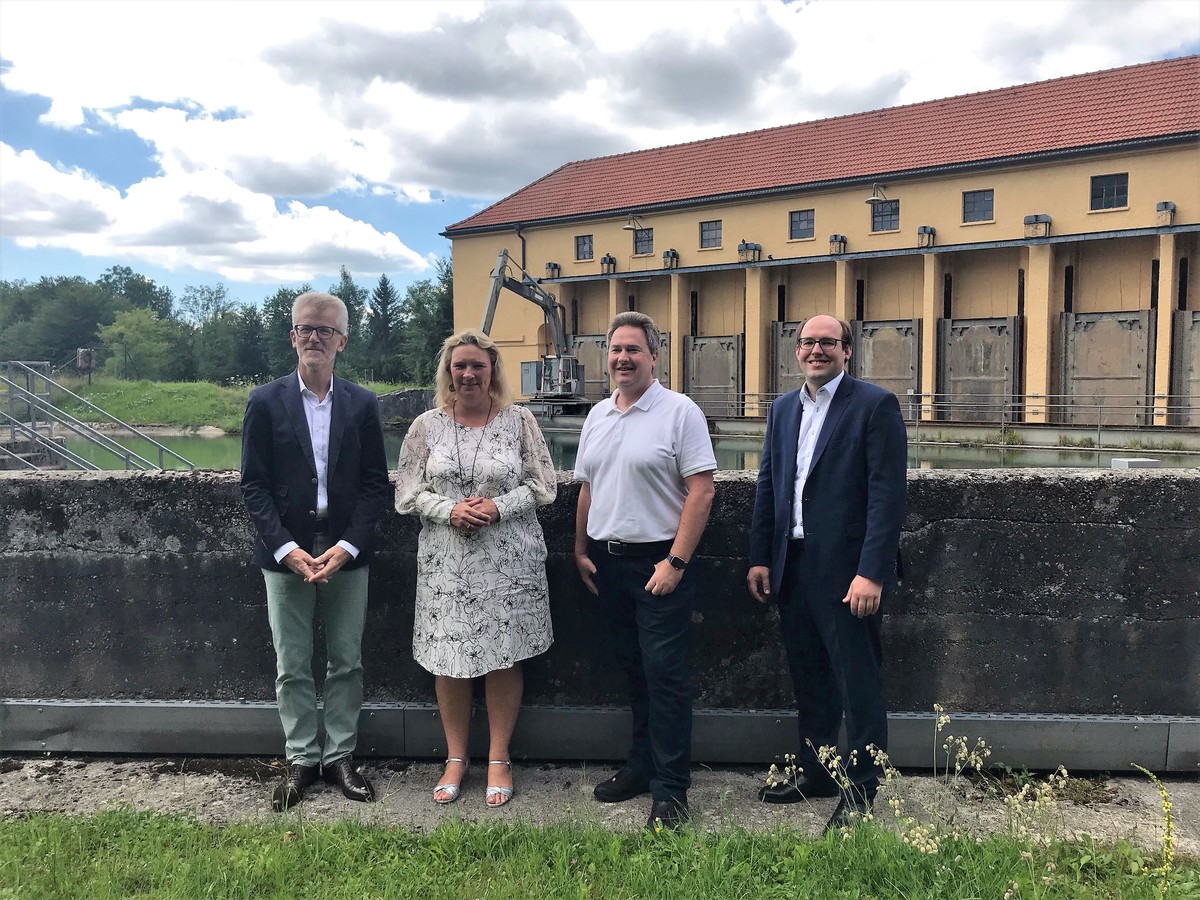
(324, 332)
(826, 343)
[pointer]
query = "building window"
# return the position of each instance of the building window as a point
(583, 246)
(801, 224)
(978, 206)
(710, 234)
(1110, 191)
(643, 240)
(885, 215)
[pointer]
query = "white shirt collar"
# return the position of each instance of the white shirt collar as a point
(304, 388)
(829, 388)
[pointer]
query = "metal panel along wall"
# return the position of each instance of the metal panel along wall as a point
(979, 369)
(1108, 367)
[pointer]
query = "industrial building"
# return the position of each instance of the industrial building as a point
(1025, 254)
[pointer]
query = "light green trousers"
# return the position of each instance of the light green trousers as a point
(291, 604)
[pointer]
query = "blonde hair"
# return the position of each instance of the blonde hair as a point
(499, 390)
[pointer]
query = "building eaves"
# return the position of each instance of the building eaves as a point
(1068, 115)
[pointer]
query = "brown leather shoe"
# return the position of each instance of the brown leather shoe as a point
(348, 778)
(297, 778)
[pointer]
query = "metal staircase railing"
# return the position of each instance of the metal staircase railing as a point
(33, 398)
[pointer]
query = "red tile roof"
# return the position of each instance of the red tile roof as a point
(1147, 101)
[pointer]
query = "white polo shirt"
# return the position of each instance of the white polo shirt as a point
(636, 462)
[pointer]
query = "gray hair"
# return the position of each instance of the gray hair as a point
(320, 300)
(638, 320)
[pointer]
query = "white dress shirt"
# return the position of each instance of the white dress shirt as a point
(812, 418)
(319, 414)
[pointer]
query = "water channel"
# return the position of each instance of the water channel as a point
(732, 453)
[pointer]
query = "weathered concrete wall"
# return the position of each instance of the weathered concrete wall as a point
(1027, 591)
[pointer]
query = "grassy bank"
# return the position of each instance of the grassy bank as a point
(189, 404)
(124, 854)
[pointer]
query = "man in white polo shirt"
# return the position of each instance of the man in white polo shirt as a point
(646, 465)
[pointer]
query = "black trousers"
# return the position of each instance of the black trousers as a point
(836, 660)
(652, 641)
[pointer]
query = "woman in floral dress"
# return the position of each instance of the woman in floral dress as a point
(475, 468)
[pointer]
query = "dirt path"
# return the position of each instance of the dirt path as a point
(222, 790)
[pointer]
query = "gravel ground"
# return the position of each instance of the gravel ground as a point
(223, 790)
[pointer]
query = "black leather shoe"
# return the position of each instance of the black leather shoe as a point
(795, 790)
(297, 778)
(353, 785)
(850, 811)
(625, 785)
(667, 814)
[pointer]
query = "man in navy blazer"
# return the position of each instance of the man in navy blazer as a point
(314, 481)
(824, 542)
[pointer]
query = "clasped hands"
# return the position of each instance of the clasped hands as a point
(316, 570)
(473, 513)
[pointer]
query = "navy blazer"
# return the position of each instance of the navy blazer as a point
(854, 497)
(279, 473)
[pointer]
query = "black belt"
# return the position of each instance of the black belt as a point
(321, 528)
(622, 548)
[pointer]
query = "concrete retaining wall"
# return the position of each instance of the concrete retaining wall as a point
(1028, 592)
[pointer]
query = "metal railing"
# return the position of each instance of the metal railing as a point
(1107, 411)
(46, 444)
(29, 403)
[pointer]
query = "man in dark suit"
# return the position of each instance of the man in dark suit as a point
(824, 542)
(315, 480)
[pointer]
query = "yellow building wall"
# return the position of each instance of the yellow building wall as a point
(984, 282)
(892, 288)
(720, 302)
(1110, 274)
(1114, 275)
(590, 300)
(810, 289)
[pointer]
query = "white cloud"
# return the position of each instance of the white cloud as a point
(202, 220)
(40, 203)
(251, 105)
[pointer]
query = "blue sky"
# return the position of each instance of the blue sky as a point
(260, 144)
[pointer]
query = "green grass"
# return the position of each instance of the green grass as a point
(122, 854)
(190, 404)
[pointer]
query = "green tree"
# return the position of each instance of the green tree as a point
(355, 298)
(51, 318)
(252, 349)
(217, 347)
(137, 290)
(277, 326)
(381, 327)
(427, 315)
(141, 345)
(202, 302)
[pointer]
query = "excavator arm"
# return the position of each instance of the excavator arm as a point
(531, 291)
(559, 375)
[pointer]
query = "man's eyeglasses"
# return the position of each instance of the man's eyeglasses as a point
(826, 343)
(324, 332)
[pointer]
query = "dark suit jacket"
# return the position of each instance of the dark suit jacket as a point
(854, 497)
(279, 474)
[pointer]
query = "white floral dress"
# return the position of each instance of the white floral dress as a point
(482, 600)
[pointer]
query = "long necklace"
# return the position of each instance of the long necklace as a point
(462, 472)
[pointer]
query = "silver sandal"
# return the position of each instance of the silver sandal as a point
(451, 790)
(505, 792)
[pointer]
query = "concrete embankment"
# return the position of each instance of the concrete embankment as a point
(1057, 613)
